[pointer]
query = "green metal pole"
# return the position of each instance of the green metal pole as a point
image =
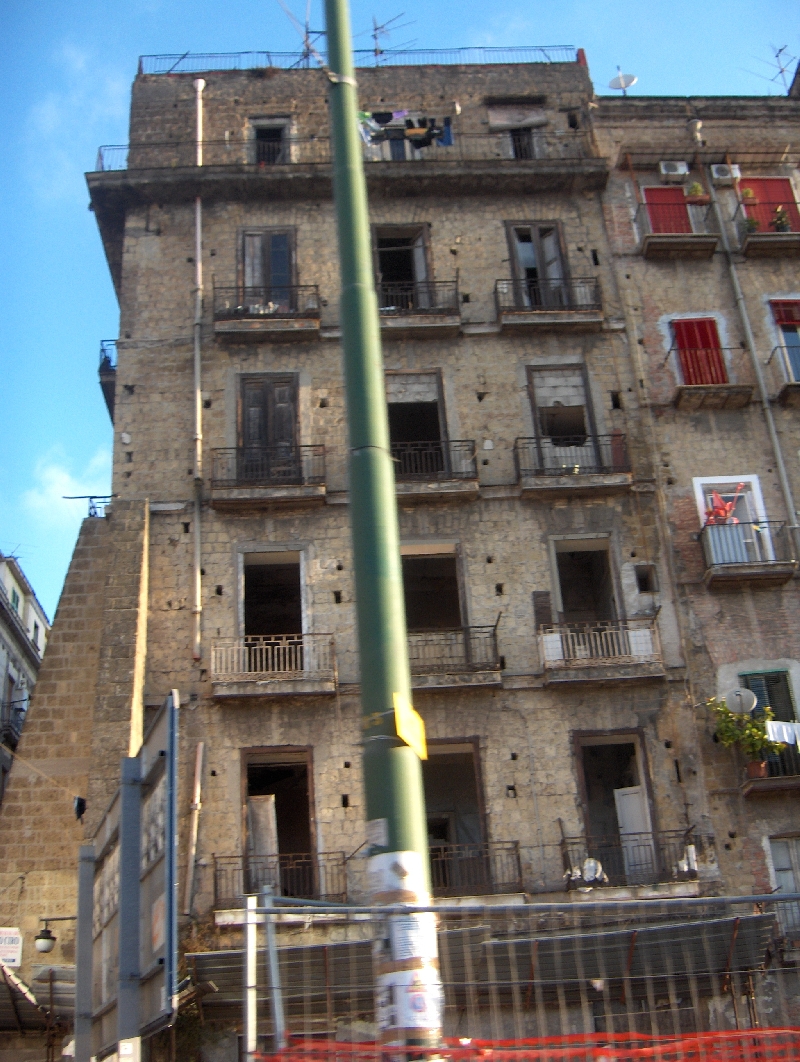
(409, 1003)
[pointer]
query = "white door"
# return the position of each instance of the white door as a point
(262, 844)
(635, 834)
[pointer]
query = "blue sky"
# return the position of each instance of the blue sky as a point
(65, 77)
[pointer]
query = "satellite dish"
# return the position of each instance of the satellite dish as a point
(622, 81)
(740, 700)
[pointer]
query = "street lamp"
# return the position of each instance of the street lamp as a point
(45, 940)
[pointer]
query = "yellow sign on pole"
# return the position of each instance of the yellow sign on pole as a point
(409, 725)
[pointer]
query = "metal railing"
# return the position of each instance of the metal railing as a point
(108, 355)
(575, 645)
(194, 63)
(783, 764)
(630, 858)
(703, 365)
(308, 876)
(422, 297)
(761, 542)
(276, 656)
(453, 651)
(295, 150)
(571, 455)
(268, 466)
(438, 459)
(526, 296)
(475, 869)
(233, 303)
(760, 217)
(679, 219)
(12, 716)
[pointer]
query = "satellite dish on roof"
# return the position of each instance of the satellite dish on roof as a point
(740, 700)
(622, 81)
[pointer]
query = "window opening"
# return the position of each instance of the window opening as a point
(646, 581)
(772, 206)
(272, 597)
(786, 864)
(667, 210)
(458, 859)
(430, 589)
(268, 453)
(564, 421)
(538, 267)
(787, 317)
(268, 272)
(584, 578)
(699, 351)
(279, 828)
(402, 268)
(269, 144)
(415, 426)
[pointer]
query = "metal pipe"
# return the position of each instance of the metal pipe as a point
(197, 610)
(274, 970)
(250, 980)
(395, 802)
(83, 955)
(194, 824)
(741, 306)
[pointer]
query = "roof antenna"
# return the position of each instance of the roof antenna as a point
(622, 81)
(383, 30)
(783, 62)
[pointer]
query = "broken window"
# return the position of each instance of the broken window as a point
(431, 592)
(268, 272)
(415, 425)
(268, 453)
(272, 598)
(585, 582)
(402, 268)
(538, 267)
(458, 859)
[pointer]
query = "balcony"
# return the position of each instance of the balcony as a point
(706, 383)
(781, 773)
(438, 470)
(669, 231)
(273, 665)
(632, 858)
(601, 651)
(759, 555)
(585, 464)
(107, 372)
(427, 309)
(12, 716)
(264, 314)
(268, 477)
(525, 306)
(767, 229)
(462, 656)
(304, 875)
(486, 868)
(787, 366)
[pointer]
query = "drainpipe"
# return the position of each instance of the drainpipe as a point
(197, 610)
(751, 346)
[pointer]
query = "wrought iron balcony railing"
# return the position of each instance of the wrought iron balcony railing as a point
(439, 459)
(575, 645)
(453, 651)
(232, 303)
(547, 296)
(632, 858)
(762, 217)
(475, 869)
(268, 466)
(306, 876)
(277, 656)
(12, 716)
(571, 455)
(675, 219)
(783, 764)
(763, 542)
(422, 297)
(703, 365)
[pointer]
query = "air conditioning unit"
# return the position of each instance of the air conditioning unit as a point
(673, 172)
(722, 174)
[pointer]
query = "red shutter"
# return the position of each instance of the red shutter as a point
(667, 210)
(699, 351)
(786, 312)
(771, 193)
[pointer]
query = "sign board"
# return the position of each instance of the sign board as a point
(10, 946)
(410, 725)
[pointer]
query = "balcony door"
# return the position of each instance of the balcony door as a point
(416, 425)
(458, 859)
(667, 210)
(278, 824)
(267, 433)
(268, 271)
(786, 313)
(563, 417)
(538, 265)
(401, 264)
(699, 351)
(772, 205)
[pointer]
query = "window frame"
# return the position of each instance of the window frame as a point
(380, 230)
(546, 223)
(262, 231)
(785, 348)
(279, 121)
(744, 676)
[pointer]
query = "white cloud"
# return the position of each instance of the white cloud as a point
(53, 479)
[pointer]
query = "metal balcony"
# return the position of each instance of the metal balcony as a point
(632, 858)
(436, 470)
(284, 313)
(467, 653)
(573, 305)
(273, 664)
(786, 366)
(669, 231)
(268, 477)
(572, 464)
(781, 773)
(304, 875)
(704, 375)
(428, 309)
(12, 716)
(758, 554)
(604, 649)
(475, 869)
(767, 229)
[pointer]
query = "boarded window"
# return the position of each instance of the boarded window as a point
(699, 351)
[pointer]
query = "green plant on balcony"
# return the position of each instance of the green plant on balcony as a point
(748, 193)
(751, 225)
(780, 219)
(695, 188)
(748, 731)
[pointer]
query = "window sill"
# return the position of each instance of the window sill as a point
(272, 329)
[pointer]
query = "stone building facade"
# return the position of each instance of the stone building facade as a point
(568, 380)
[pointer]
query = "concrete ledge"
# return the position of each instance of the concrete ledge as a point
(458, 680)
(582, 483)
(268, 329)
(238, 499)
(420, 326)
(302, 686)
(757, 576)
(520, 322)
(663, 891)
(771, 245)
(436, 490)
(610, 672)
(713, 396)
(669, 246)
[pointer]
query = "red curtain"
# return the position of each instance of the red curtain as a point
(667, 210)
(699, 351)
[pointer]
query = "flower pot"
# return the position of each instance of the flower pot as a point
(756, 769)
(699, 200)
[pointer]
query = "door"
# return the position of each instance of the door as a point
(635, 834)
(667, 210)
(268, 273)
(555, 292)
(773, 205)
(699, 351)
(268, 454)
(787, 317)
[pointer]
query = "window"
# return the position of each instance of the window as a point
(15, 599)
(667, 210)
(735, 526)
(584, 581)
(771, 207)
(787, 317)
(537, 262)
(272, 597)
(522, 122)
(416, 425)
(699, 351)
(785, 854)
(458, 859)
(431, 592)
(269, 142)
(35, 638)
(562, 415)
(772, 691)
(268, 272)
(268, 453)
(402, 268)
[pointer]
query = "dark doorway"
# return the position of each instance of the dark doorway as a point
(430, 587)
(400, 262)
(584, 578)
(414, 422)
(269, 144)
(272, 602)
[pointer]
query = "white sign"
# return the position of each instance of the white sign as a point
(10, 946)
(398, 877)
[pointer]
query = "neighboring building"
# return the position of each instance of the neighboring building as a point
(23, 634)
(569, 380)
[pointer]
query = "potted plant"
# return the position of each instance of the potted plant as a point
(749, 195)
(748, 730)
(751, 225)
(780, 219)
(695, 193)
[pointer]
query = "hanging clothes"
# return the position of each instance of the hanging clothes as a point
(446, 139)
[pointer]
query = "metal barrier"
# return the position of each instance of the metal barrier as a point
(309, 876)
(422, 297)
(274, 655)
(268, 466)
(438, 459)
(453, 651)
(630, 858)
(576, 293)
(587, 644)
(284, 301)
(761, 542)
(674, 219)
(571, 455)
(475, 869)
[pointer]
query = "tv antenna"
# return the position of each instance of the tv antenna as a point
(622, 81)
(306, 33)
(383, 30)
(783, 61)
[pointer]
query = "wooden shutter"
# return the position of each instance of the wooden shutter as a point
(699, 351)
(667, 210)
(269, 408)
(786, 312)
(769, 194)
(772, 691)
(254, 413)
(282, 413)
(542, 609)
